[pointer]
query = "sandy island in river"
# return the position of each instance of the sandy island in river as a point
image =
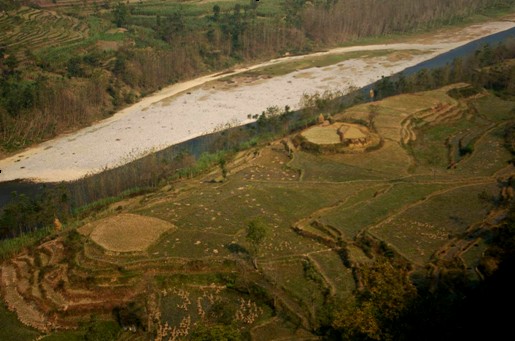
(174, 115)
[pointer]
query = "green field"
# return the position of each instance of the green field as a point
(338, 276)
(431, 223)
(34, 29)
(356, 218)
(283, 68)
(12, 329)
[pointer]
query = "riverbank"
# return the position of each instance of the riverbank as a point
(193, 108)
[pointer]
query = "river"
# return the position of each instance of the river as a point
(166, 118)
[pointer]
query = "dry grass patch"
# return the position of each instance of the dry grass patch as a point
(329, 134)
(126, 232)
(322, 135)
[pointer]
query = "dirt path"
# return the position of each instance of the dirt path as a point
(186, 110)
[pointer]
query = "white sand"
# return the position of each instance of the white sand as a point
(160, 120)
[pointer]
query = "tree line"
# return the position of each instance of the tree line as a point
(485, 68)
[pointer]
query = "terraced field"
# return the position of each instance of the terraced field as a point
(326, 216)
(36, 29)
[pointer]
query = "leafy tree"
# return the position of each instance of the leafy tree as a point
(293, 9)
(23, 214)
(216, 13)
(6, 5)
(441, 76)
(222, 163)
(423, 80)
(401, 85)
(174, 26)
(17, 217)
(357, 322)
(93, 58)
(387, 292)
(120, 64)
(254, 4)
(131, 315)
(256, 234)
(74, 67)
(457, 70)
(385, 87)
(17, 96)
(373, 111)
(121, 14)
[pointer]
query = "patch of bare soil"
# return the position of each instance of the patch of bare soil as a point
(106, 45)
(26, 311)
(399, 55)
(126, 232)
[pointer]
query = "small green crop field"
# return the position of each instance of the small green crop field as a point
(195, 305)
(429, 150)
(391, 159)
(489, 155)
(327, 168)
(276, 329)
(494, 108)
(300, 280)
(192, 243)
(34, 28)
(338, 276)
(284, 68)
(356, 218)
(196, 8)
(430, 224)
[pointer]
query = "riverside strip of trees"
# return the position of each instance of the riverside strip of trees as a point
(45, 92)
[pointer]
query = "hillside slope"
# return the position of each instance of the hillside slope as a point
(422, 201)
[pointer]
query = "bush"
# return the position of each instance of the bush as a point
(131, 315)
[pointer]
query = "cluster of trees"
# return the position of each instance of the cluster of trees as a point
(44, 104)
(25, 214)
(385, 294)
(483, 69)
(6, 5)
(336, 21)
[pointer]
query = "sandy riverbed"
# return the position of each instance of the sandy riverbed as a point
(174, 115)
